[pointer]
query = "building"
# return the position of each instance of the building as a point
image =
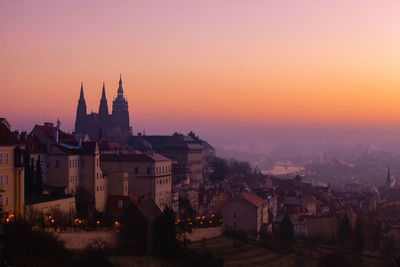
(245, 213)
(117, 183)
(148, 175)
(114, 126)
(138, 224)
(11, 171)
(77, 167)
(300, 227)
(323, 227)
(185, 152)
(39, 141)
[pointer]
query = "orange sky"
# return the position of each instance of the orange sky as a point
(200, 62)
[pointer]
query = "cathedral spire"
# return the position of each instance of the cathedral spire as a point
(81, 96)
(103, 93)
(103, 108)
(120, 90)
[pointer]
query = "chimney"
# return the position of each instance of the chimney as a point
(23, 136)
(55, 134)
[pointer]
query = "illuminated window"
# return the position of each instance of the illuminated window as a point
(1, 157)
(6, 157)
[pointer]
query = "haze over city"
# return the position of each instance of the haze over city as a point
(268, 67)
(200, 133)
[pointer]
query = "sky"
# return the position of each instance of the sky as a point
(215, 67)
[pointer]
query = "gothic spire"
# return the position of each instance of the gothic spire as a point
(103, 108)
(81, 96)
(103, 94)
(120, 90)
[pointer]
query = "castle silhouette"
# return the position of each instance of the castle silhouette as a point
(114, 126)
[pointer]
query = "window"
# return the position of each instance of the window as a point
(6, 178)
(97, 189)
(120, 203)
(58, 163)
(1, 179)
(136, 170)
(6, 200)
(163, 169)
(1, 157)
(148, 170)
(1, 200)
(6, 157)
(82, 163)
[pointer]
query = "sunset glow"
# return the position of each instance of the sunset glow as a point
(255, 62)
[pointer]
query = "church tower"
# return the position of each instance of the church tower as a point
(120, 113)
(80, 113)
(103, 114)
(103, 108)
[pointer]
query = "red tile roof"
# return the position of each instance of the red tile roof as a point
(309, 199)
(7, 138)
(133, 157)
(253, 199)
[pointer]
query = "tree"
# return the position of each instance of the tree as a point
(184, 226)
(38, 179)
(377, 235)
(286, 232)
(165, 234)
(239, 167)
(345, 231)
(84, 203)
(358, 238)
(28, 175)
(221, 169)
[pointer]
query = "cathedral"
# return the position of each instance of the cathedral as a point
(114, 126)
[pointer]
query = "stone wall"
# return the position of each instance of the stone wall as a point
(81, 240)
(199, 234)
